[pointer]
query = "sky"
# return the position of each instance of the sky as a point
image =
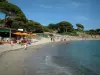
(86, 12)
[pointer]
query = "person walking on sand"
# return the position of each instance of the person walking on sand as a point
(25, 45)
(12, 43)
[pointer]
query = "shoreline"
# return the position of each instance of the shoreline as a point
(40, 42)
(18, 47)
(44, 41)
(15, 59)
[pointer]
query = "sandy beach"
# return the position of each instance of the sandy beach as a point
(8, 47)
(65, 38)
(12, 61)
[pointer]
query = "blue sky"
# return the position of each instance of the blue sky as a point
(86, 12)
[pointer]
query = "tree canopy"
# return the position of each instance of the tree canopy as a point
(94, 31)
(80, 27)
(98, 31)
(3, 1)
(64, 26)
(18, 25)
(12, 10)
(1, 21)
(15, 18)
(34, 26)
(53, 26)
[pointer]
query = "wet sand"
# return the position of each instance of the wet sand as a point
(12, 62)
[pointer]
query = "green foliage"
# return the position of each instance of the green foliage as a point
(64, 26)
(53, 26)
(38, 29)
(98, 31)
(46, 29)
(35, 27)
(18, 25)
(74, 33)
(80, 27)
(12, 10)
(14, 17)
(3, 1)
(93, 32)
(1, 21)
(9, 22)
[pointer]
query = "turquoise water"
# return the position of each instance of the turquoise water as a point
(84, 54)
(74, 58)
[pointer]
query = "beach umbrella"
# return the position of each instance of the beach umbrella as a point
(24, 34)
(17, 33)
(33, 34)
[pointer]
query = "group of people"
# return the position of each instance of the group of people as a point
(22, 41)
(57, 38)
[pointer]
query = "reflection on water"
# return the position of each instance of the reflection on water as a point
(47, 67)
(76, 58)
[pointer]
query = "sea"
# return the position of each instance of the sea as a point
(65, 58)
